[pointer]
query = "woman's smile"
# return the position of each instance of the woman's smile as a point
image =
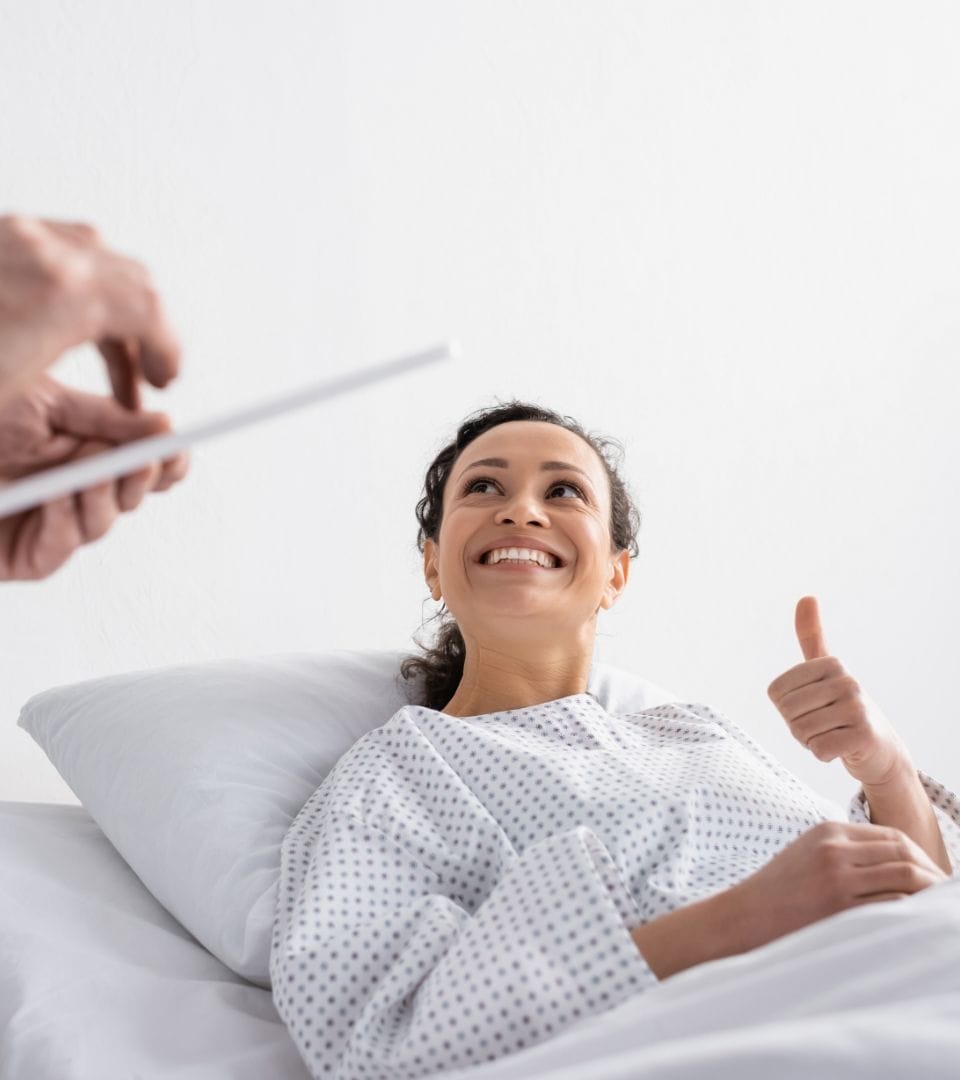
(518, 564)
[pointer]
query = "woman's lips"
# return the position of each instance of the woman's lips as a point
(522, 566)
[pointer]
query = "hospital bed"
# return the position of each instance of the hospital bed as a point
(135, 927)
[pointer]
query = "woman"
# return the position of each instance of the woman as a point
(506, 858)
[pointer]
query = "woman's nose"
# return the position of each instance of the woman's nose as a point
(521, 508)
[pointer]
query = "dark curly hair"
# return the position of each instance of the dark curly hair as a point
(441, 665)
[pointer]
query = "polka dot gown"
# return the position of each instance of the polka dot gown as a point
(459, 888)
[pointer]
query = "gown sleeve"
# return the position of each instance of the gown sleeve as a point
(379, 971)
(946, 807)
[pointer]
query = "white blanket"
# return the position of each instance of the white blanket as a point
(99, 982)
(872, 992)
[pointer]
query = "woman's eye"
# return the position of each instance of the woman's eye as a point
(573, 487)
(471, 486)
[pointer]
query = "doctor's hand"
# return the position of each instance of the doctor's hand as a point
(60, 286)
(50, 424)
(831, 715)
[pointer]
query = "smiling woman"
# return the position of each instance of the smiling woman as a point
(487, 868)
(514, 631)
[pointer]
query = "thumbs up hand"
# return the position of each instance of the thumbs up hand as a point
(829, 713)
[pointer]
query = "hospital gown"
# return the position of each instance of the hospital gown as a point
(459, 888)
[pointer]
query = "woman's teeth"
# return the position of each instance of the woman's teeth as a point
(518, 555)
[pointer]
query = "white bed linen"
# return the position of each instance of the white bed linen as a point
(872, 993)
(99, 982)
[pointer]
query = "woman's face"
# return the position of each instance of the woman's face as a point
(525, 493)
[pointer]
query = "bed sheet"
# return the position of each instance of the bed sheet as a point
(99, 982)
(871, 993)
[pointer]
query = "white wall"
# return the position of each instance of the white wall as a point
(726, 234)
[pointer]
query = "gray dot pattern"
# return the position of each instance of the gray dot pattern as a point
(459, 888)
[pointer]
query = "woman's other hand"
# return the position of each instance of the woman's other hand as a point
(831, 867)
(829, 713)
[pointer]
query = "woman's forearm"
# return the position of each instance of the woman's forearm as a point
(706, 930)
(904, 804)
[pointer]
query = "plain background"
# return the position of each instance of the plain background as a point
(726, 234)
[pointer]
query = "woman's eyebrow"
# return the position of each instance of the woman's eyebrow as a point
(502, 463)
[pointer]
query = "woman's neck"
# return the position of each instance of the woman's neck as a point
(495, 681)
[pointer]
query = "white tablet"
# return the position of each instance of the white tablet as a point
(41, 487)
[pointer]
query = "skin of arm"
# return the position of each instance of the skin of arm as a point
(810, 883)
(904, 804)
(831, 716)
(706, 930)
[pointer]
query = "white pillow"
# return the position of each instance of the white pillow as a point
(195, 772)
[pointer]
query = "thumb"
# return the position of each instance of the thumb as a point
(94, 417)
(809, 630)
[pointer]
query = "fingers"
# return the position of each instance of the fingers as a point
(875, 898)
(99, 506)
(62, 286)
(77, 231)
(872, 852)
(97, 509)
(804, 674)
(160, 476)
(123, 363)
(860, 832)
(825, 715)
(49, 535)
(900, 876)
(828, 738)
(173, 471)
(916, 854)
(886, 844)
(887, 852)
(46, 538)
(35, 544)
(131, 308)
(84, 516)
(133, 317)
(131, 489)
(103, 421)
(93, 416)
(818, 695)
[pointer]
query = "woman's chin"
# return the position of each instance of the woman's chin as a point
(506, 610)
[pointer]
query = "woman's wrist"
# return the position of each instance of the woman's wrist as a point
(710, 929)
(903, 803)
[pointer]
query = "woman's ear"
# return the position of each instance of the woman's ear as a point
(617, 582)
(431, 568)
